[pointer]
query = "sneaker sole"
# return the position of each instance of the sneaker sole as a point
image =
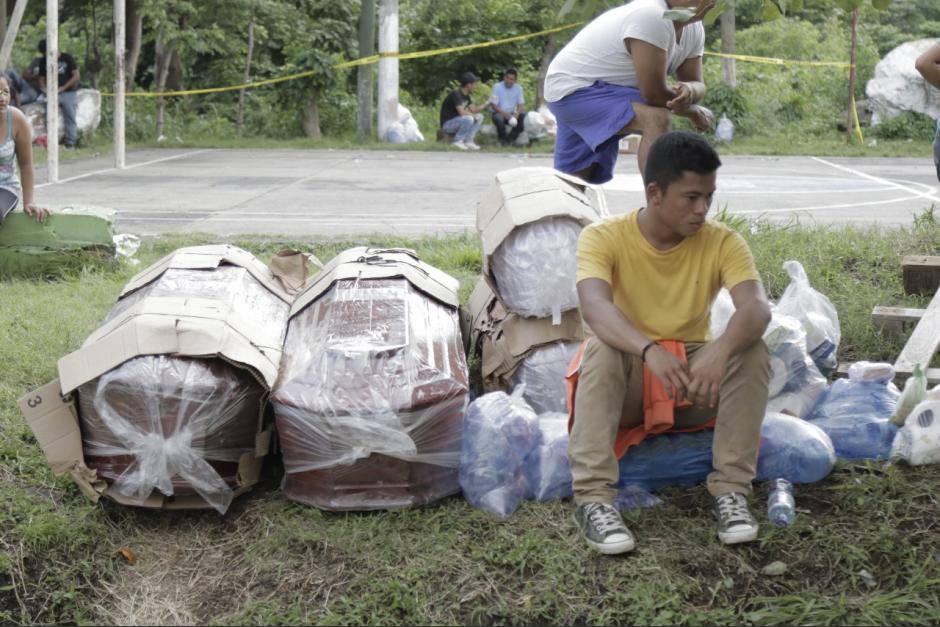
(737, 537)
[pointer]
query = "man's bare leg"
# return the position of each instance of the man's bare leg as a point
(650, 122)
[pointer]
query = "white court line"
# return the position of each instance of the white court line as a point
(273, 215)
(414, 222)
(929, 196)
(130, 167)
(823, 207)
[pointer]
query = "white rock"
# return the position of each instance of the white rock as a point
(87, 114)
(897, 86)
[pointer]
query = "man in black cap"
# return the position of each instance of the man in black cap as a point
(459, 116)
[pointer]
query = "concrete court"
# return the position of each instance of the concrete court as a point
(326, 193)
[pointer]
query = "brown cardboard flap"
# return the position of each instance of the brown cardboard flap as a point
(207, 258)
(54, 421)
(170, 326)
(292, 269)
(381, 263)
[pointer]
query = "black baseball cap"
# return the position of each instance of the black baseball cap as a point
(469, 77)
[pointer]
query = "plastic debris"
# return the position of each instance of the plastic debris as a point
(724, 132)
(816, 313)
(795, 381)
(781, 508)
(854, 414)
(542, 372)
(918, 441)
(915, 391)
(547, 470)
(793, 449)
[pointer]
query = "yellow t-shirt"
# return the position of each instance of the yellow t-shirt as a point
(668, 294)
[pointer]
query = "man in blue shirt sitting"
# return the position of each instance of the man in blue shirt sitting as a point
(508, 108)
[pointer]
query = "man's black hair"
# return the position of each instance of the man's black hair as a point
(511, 70)
(42, 46)
(676, 152)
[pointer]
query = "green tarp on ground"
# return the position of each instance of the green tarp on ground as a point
(68, 238)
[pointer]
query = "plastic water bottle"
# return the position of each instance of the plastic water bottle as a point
(781, 508)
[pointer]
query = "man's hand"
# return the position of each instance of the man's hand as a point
(683, 99)
(706, 374)
(673, 373)
(701, 117)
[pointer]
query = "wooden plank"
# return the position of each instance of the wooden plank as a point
(893, 319)
(921, 274)
(924, 340)
(933, 375)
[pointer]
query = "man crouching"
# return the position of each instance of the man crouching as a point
(646, 283)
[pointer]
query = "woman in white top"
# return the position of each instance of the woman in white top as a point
(16, 142)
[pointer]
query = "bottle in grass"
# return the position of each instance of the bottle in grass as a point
(781, 508)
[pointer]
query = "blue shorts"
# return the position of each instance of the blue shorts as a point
(588, 122)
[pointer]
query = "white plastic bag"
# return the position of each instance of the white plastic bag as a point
(816, 313)
(795, 381)
(725, 130)
(542, 372)
(918, 441)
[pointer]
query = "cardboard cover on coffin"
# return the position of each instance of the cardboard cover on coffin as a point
(523, 195)
(505, 338)
(236, 336)
(374, 384)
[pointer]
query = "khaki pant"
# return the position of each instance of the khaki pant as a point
(610, 395)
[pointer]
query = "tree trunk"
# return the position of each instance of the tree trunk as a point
(548, 53)
(241, 92)
(728, 74)
(132, 40)
(310, 119)
(365, 76)
(164, 53)
(850, 126)
(93, 62)
(174, 77)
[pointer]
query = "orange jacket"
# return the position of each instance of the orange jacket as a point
(658, 408)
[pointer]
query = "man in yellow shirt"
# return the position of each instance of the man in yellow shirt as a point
(649, 276)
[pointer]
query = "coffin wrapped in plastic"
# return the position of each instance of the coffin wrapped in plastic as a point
(171, 389)
(529, 223)
(374, 385)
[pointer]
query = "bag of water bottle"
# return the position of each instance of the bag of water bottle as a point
(724, 132)
(542, 372)
(547, 470)
(671, 459)
(816, 313)
(854, 414)
(793, 449)
(918, 441)
(499, 431)
(795, 381)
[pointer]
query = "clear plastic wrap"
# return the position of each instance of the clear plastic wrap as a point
(795, 381)
(721, 312)
(547, 470)
(542, 372)
(854, 414)
(793, 449)
(918, 441)
(500, 431)
(175, 424)
(816, 313)
(672, 459)
(535, 268)
(370, 400)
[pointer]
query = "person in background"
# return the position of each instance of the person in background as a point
(16, 144)
(508, 103)
(611, 80)
(928, 64)
(459, 116)
(68, 88)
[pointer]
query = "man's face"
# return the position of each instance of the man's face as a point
(471, 87)
(685, 203)
(509, 79)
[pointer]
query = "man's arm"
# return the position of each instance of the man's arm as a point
(928, 64)
(747, 325)
(73, 80)
(689, 74)
(611, 327)
(470, 109)
(650, 64)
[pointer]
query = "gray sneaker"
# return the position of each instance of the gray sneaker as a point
(735, 522)
(603, 528)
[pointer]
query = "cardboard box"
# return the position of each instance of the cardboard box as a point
(505, 338)
(175, 326)
(523, 195)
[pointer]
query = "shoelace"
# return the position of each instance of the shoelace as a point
(606, 519)
(733, 507)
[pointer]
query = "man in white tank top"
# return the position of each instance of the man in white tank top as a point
(612, 80)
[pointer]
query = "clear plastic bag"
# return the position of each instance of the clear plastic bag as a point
(854, 414)
(672, 459)
(175, 424)
(371, 396)
(816, 313)
(547, 470)
(918, 441)
(500, 431)
(795, 381)
(535, 268)
(915, 391)
(793, 449)
(542, 372)
(721, 312)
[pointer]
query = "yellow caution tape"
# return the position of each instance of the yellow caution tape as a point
(776, 61)
(858, 127)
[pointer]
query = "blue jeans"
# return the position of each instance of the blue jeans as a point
(464, 128)
(68, 103)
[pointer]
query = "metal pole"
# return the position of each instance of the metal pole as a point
(388, 65)
(52, 89)
(119, 84)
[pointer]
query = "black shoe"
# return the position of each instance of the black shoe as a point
(736, 524)
(603, 529)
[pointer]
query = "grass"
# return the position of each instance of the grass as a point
(865, 548)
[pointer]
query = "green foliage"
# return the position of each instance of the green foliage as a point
(906, 125)
(725, 100)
